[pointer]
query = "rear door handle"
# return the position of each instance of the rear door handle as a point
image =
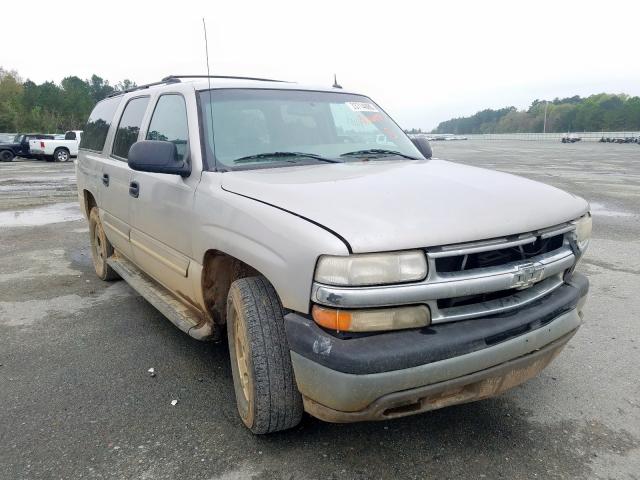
(105, 179)
(134, 189)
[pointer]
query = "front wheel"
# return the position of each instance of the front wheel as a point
(266, 393)
(6, 156)
(101, 248)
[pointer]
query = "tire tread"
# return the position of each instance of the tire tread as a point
(278, 404)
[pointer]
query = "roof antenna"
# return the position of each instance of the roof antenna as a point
(335, 82)
(206, 49)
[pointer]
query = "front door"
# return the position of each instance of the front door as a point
(161, 215)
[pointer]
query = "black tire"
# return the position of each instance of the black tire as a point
(6, 156)
(61, 155)
(101, 248)
(267, 397)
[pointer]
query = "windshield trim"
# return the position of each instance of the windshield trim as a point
(209, 161)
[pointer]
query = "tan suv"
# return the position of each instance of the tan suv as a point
(356, 277)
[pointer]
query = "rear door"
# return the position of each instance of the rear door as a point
(161, 215)
(91, 153)
(116, 176)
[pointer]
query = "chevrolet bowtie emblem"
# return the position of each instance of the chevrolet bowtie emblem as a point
(527, 274)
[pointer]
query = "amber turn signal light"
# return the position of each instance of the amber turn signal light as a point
(372, 320)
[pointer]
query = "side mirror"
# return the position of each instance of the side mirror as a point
(157, 156)
(422, 144)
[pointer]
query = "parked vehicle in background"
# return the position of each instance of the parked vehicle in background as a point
(620, 140)
(568, 138)
(57, 150)
(356, 278)
(20, 146)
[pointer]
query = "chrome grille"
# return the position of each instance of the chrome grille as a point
(484, 278)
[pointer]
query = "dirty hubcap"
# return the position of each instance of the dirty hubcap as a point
(99, 253)
(241, 356)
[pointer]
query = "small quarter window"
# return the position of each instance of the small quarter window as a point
(95, 132)
(169, 123)
(129, 127)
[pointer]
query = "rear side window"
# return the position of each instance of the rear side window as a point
(169, 123)
(95, 132)
(129, 127)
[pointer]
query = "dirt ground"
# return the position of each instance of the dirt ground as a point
(76, 400)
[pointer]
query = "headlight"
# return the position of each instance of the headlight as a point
(583, 232)
(372, 268)
(372, 320)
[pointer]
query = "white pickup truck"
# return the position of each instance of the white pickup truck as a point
(57, 150)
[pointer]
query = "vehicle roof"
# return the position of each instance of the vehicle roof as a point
(202, 84)
(199, 84)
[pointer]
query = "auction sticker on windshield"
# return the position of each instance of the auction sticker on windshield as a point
(362, 107)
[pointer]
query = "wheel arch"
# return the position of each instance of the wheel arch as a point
(57, 149)
(219, 271)
(88, 202)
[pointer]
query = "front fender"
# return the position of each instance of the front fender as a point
(281, 246)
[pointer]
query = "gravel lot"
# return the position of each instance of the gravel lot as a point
(77, 401)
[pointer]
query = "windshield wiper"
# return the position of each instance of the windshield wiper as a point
(377, 151)
(265, 156)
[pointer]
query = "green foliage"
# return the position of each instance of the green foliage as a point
(49, 107)
(601, 112)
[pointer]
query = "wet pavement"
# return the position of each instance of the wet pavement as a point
(77, 400)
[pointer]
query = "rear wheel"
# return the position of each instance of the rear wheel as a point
(6, 156)
(101, 248)
(266, 393)
(61, 155)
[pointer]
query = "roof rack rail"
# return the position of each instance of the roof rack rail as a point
(228, 77)
(176, 79)
(169, 79)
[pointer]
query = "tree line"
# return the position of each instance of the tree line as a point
(601, 112)
(50, 107)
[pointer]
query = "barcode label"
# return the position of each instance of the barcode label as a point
(362, 107)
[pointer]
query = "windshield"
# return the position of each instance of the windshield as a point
(264, 128)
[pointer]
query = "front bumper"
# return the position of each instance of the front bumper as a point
(405, 372)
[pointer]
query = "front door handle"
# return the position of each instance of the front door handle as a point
(134, 189)
(105, 179)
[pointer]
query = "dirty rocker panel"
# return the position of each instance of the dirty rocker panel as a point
(187, 319)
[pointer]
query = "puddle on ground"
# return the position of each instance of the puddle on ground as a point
(38, 179)
(31, 187)
(37, 263)
(56, 213)
(601, 210)
(29, 312)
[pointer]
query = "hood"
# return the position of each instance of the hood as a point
(395, 205)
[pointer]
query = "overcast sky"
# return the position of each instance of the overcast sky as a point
(423, 62)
